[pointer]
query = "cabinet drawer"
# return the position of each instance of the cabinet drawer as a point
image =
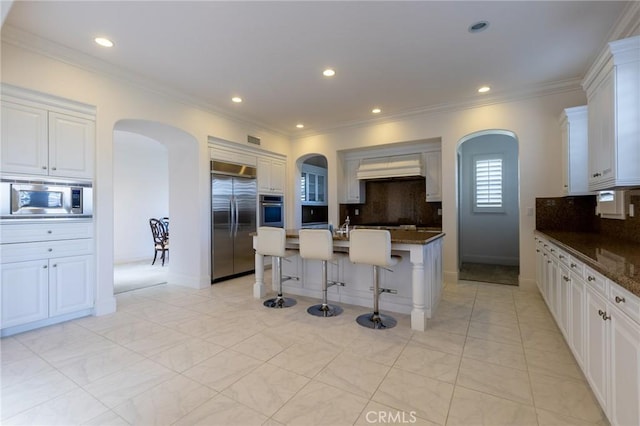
(625, 301)
(49, 231)
(563, 257)
(21, 252)
(597, 281)
(576, 267)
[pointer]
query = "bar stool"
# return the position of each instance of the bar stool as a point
(271, 242)
(373, 247)
(317, 244)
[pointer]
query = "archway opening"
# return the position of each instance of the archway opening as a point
(311, 201)
(188, 265)
(488, 214)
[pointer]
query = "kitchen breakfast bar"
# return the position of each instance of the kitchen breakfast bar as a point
(413, 286)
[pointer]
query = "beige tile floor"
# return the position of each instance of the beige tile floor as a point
(170, 355)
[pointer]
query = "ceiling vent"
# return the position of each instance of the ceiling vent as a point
(397, 166)
(254, 140)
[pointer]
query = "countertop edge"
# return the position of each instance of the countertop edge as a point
(624, 281)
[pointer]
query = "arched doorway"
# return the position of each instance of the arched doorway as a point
(138, 162)
(189, 256)
(311, 201)
(488, 214)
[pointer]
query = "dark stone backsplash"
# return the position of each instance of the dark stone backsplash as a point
(577, 214)
(394, 202)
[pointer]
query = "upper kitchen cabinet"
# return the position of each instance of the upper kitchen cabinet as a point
(613, 92)
(313, 185)
(575, 159)
(271, 175)
(433, 170)
(46, 136)
(352, 191)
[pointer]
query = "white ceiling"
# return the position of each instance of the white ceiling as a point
(400, 56)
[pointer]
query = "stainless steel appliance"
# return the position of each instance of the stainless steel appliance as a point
(34, 198)
(233, 219)
(272, 210)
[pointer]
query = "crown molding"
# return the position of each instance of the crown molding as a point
(36, 44)
(545, 89)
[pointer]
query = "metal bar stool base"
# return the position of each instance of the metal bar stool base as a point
(324, 310)
(376, 321)
(280, 302)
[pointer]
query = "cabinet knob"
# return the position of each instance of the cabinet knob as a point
(620, 299)
(601, 312)
(573, 265)
(590, 278)
(50, 249)
(561, 256)
(566, 278)
(548, 261)
(537, 250)
(49, 231)
(606, 317)
(53, 168)
(44, 266)
(44, 167)
(55, 265)
(553, 250)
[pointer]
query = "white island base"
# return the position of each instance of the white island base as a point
(416, 280)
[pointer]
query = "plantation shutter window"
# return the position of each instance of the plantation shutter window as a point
(488, 190)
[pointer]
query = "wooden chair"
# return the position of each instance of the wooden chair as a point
(160, 239)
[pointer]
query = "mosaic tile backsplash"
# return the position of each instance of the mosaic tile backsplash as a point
(577, 214)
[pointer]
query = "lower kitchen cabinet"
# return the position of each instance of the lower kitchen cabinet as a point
(24, 292)
(625, 370)
(597, 338)
(69, 289)
(40, 289)
(601, 323)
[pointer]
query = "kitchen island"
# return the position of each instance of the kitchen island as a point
(416, 281)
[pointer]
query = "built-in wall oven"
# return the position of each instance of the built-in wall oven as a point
(272, 210)
(34, 198)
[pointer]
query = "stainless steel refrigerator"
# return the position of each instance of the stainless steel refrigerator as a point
(233, 219)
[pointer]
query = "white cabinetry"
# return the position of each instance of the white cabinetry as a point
(271, 175)
(613, 92)
(39, 141)
(47, 273)
(313, 185)
(575, 159)
(433, 166)
(353, 189)
(24, 292)
(601, 323)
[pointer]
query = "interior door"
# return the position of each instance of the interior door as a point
(244, 192)
(221, 226)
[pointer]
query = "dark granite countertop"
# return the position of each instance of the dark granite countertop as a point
(398, 236)
(616, 259)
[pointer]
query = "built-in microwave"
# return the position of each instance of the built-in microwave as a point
(21, 198)
(272, 210)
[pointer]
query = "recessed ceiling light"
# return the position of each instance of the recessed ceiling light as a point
(478, 26)
(300, 126)
(376, 110)
(104, 42)
(236, 99)
(484, 89)
(329, 72)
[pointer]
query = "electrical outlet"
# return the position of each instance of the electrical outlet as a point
(357, 212)
(439, 212)
(632, 210)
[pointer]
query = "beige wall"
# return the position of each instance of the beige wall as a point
(535, 124)
(183, 129)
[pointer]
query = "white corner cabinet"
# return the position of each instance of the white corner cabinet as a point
(46, 136)
(575, 159)
(600, 321)
(613, 93)
(47, 272)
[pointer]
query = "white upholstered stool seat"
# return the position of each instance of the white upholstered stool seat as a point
(373, 247)
(271, 242)
(317, 244)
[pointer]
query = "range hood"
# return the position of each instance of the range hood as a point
(396, 166)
